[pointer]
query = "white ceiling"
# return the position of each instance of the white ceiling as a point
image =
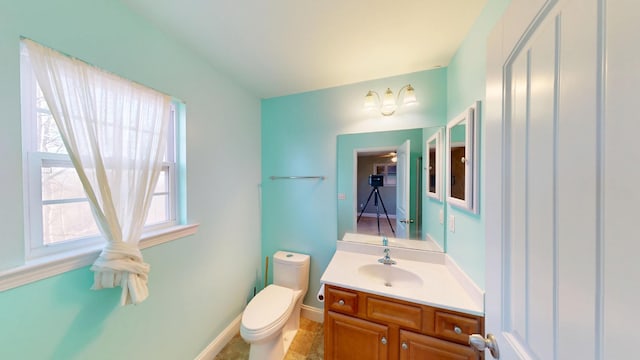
(281, 47)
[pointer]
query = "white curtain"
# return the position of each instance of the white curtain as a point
(115, 133)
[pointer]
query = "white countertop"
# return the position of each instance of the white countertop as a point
(441, 287)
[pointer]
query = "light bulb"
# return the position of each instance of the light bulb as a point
(388, 103)
(409, 96)
(369, 101)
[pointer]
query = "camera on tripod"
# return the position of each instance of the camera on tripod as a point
(376, 180)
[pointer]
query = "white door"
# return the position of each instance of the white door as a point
(402, 190)
(562, 180)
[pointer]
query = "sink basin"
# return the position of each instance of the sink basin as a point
(389, 276)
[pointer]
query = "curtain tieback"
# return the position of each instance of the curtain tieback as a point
(121, 264)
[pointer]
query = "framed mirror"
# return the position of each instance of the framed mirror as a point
(433, 166)
(462, 172)
(396, 156)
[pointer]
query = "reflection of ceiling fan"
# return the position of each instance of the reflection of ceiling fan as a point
(393, 155)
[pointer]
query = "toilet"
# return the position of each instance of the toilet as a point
(271, 319)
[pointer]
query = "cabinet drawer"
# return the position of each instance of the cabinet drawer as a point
(342, 301)
(456, 327)
(408, 316)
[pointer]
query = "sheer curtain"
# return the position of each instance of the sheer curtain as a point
(115, 133)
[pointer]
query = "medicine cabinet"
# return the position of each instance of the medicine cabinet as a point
(462, 164)
(433, 165)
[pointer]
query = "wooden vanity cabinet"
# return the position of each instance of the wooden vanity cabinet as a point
(365, 326)
(415, 346)
(353, 338)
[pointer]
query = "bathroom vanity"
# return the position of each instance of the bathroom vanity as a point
(416, 309)
(379, 327)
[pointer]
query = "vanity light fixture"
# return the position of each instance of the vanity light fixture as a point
(389, 103)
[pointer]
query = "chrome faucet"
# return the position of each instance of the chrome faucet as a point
(386, 259)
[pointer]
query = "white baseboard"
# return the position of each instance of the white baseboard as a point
(210, 352)
(312, 313)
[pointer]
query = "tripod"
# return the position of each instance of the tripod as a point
(376, 199)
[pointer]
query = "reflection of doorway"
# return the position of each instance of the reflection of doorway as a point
(378, 161)
(375, 161)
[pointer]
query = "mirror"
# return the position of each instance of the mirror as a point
(387, 169)
(433, 166)
(462, 174)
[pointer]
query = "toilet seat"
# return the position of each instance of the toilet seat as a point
(267, 312)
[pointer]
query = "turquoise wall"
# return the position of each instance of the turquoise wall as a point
(466, 84)
(192, 295)
(198, 284)
(298, 138)
(299, 135)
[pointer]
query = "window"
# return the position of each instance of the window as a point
(388, 170)
(58, 217)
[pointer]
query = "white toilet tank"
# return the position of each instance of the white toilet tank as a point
(291, 270)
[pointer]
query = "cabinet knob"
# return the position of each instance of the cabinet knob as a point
(383, 340)
(457, 330)
(341, 302)
(405, 346)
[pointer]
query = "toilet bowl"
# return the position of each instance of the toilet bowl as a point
(272, 318)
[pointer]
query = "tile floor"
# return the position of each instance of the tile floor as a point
(308, 344)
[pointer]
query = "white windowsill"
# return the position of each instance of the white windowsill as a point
(50, 266)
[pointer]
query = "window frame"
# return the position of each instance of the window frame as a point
(33, 160)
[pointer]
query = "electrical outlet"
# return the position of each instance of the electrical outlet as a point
(452, 223)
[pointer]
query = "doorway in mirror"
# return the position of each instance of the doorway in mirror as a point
(353, 188)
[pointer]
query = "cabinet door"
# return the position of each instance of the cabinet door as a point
(415, 346)
(347, 338)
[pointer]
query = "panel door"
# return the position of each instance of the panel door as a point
(542, 180)
(349, 338)
(418, 347)
(402, 190)
(619, 273)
